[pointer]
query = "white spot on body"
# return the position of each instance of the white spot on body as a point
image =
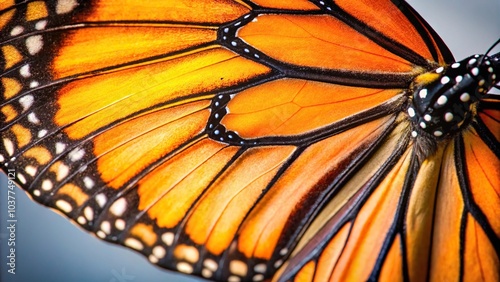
(459, 78)
(64, 206)
(423, 125)
(465, 97)
(439, 70)
(445, 80)
(472, 61)
(448, 117)
(423, 93)
(411, 112)
(414, 134)
(442, 100)
(427, 117)
(438, 133)
(475, 71)
(455, 65)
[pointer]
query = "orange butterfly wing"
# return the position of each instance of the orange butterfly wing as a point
(163, 136)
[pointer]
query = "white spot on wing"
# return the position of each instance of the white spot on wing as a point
(31, 170)
(47, 185)
(34, 44)
(120, 224)
(134, 244)
(41, 25)
(25, 71)
(106, 227)
(184, 267)
(101, 199)
(88, 212)
(60, 147)
(21, 178)
(9, 146)
(76, 155)
(159, 252)
(118, 207)
(88, 182)
(65, 6)
(26, 101)
(16, 30)
(210, 264)
(33, 118)
(62, 172)
(168, 238)
(81, 220)
(42, 133)
(64, 206)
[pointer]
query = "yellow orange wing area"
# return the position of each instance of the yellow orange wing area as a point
(450, 225)
(106, 108)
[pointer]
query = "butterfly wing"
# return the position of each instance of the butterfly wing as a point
(156, 129)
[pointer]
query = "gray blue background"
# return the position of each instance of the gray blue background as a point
(50, 248)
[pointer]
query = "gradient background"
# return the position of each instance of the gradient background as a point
(50, 248)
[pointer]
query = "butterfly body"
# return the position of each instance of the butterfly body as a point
(447, 103)
(255, 140)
